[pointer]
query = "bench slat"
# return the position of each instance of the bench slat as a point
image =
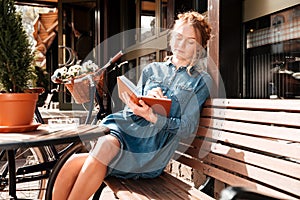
(269, 117)
(291, 134)
(234, 180)
(138, 192)
(179, 192)
(270, 146)
(149, 189)
(159, 190)
(230, 178)
(274, 164)
(263, 104)
(256, 173)
(192, 191)
(287, 167)
(119, 189)
(164, 187)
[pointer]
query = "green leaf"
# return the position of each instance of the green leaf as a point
(15, 54)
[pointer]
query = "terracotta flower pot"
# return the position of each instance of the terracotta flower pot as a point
(17, 109)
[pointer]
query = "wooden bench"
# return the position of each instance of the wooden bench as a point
(252, 143)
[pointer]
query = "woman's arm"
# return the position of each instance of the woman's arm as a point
(142, 110)
(188, 123)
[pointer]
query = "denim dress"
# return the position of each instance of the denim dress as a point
(146, 148)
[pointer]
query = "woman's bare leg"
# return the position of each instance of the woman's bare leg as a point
(67, 176)
(94, 169)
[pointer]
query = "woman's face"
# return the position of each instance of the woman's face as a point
(183, 42)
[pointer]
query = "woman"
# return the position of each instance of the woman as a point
(141, 142)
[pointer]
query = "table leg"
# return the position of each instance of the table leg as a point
(12, 173)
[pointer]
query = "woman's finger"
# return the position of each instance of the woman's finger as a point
(125, 97)
(156, 92)
(143, 104)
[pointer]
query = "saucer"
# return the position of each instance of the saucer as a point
(19, 129)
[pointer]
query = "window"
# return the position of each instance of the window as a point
(272, 68)
(164, 14)
(147, 18)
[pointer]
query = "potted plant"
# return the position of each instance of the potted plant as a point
(16, 59)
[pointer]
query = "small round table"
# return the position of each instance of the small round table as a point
(43, 136)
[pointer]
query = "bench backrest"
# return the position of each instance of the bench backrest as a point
(253, 143)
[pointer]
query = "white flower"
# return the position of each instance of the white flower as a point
(59, 74)
(74, 71)
(64, 73)
(89, 66)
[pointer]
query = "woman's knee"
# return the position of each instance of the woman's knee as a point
(72, 166)
(76, 160)
(106, 148)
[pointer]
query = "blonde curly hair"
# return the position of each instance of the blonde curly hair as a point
(199, 23)
(203, 34)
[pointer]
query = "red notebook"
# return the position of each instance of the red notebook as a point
(160, 106)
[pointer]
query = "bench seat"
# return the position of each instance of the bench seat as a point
(249, 143)
(165, 186)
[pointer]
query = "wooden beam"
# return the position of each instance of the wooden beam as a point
(213, 45)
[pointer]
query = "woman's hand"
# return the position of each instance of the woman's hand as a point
(156, 93)
(142, 110)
